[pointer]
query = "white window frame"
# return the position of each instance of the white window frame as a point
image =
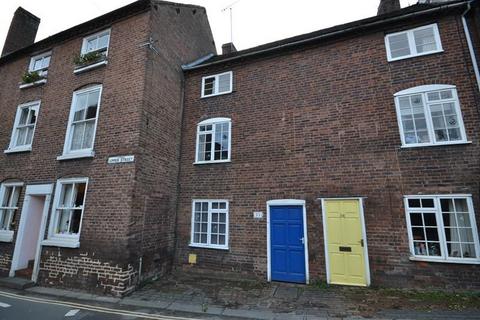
(213, 122)
(424, 90)
(7, 235)
(39, 56)
(217, 84)
(411, 42)
(441, 229)
(208, 245)
(96, 35)
(12, 148)
(83, 153)
(64, 240)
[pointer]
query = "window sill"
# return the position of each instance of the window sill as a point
(78, 155)
(33, 84)
(205, 246)
(212, 162)
(406, 146)
(19, 149)
(61, 243)
(457, 261)
(6, 236)
(216, 94)
(92, 66)
(414, 56)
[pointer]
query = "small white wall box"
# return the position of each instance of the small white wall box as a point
(258, 215)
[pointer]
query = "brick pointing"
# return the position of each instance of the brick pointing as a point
(181, 34)
(130, 208)
(5, 262)
(84, 270)
(109, 199)
(321, 122)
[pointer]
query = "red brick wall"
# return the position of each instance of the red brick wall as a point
(321, 122)
(181, 34)
(105, 226)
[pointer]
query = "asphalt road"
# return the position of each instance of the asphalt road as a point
(19, 307)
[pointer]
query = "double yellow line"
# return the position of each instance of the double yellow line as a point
(92, 308)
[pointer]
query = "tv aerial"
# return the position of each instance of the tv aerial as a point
(230, 8)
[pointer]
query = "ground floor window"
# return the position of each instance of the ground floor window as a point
(210, 224)
(442, 227)
(67, 212)
(9, 195)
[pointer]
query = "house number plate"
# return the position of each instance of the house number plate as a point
(258, 215)
(121, 159)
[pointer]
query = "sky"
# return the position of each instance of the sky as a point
(255, 22)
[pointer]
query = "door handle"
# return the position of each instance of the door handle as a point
(361, 242)
(303, 240)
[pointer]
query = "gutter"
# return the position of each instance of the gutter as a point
(470, 44)
(197, 62)
(327, 35)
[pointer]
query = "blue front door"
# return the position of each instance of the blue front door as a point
(287, 244)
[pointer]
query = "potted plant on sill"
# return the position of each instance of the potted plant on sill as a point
(83, 60)
(31, 77)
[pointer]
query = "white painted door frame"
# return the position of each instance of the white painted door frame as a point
(287, 202)
(32, 190)
(364, 235)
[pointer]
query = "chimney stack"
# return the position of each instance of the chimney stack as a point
(387, 6)
(228, 48)
(22, 32)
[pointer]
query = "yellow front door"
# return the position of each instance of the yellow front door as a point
(346, 255)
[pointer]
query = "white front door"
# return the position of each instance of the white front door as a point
(32, 228)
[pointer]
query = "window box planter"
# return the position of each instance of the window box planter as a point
(89, 61)
(89, 67)
(33, 79)
(32, 84)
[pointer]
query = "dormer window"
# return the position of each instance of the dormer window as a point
(414, 42)
(217, 84)
(96, 42)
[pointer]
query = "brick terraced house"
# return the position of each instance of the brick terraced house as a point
(349, 155)
(90, 133)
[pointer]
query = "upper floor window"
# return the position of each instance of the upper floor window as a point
(213, 140)
(40, 62)
(217, 84)
(442, 228)
(24, 127)
(96, 42)
(210, 224)
(430, 115)
(67, 212)
(414, 42)
(82, 123)
(9, 195)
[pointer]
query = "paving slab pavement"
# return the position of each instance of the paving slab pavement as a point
(223, 299)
